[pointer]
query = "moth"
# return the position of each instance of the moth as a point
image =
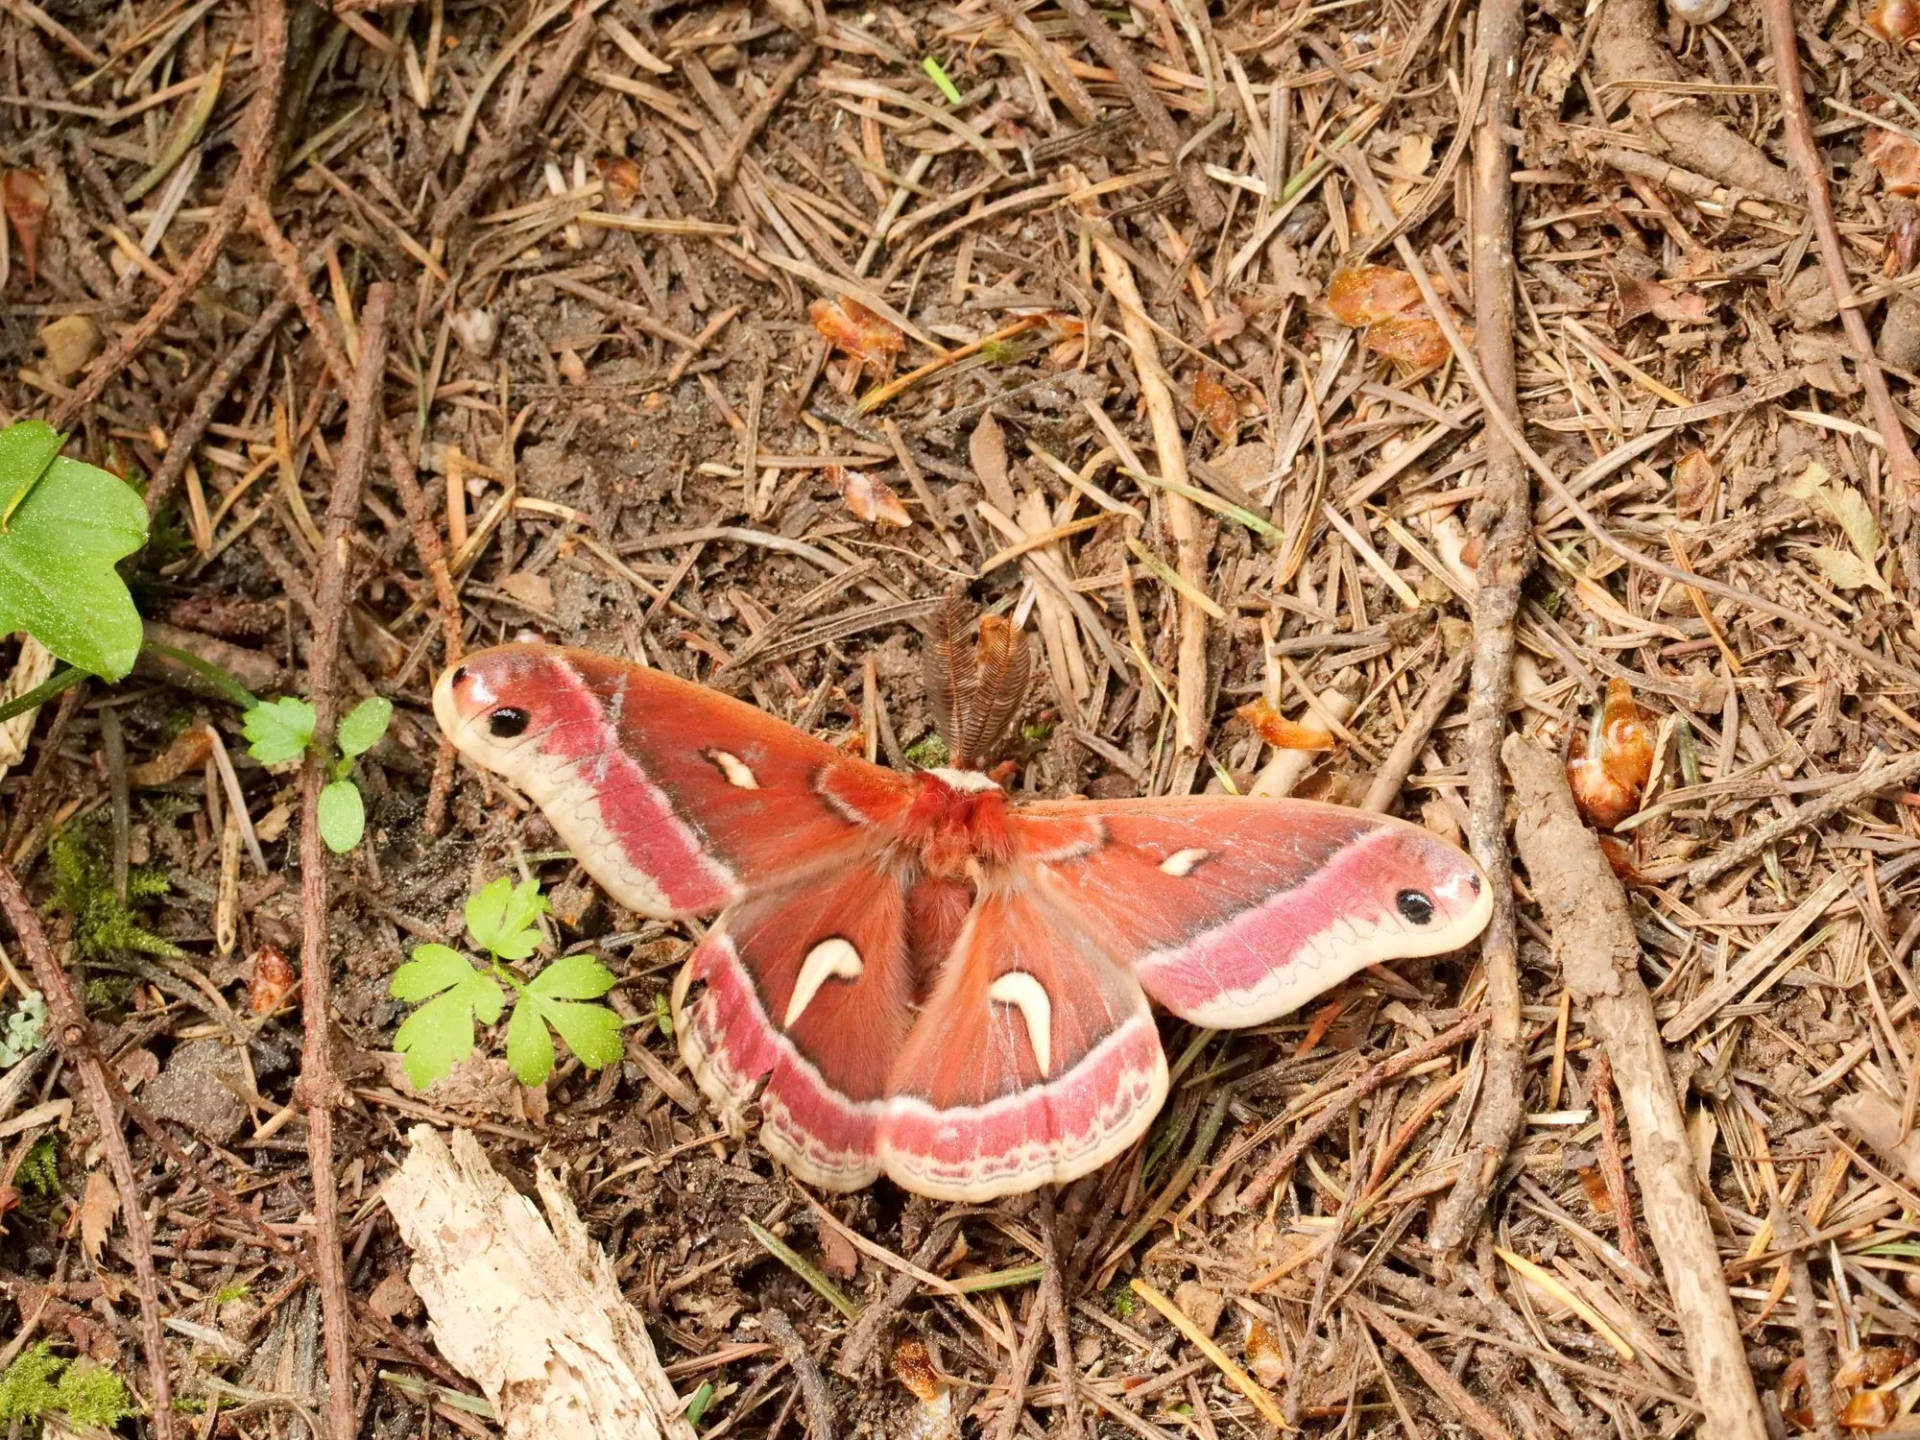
(916, 975)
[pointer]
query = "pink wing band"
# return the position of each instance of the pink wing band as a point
(1045, 1133)
(1271, 958)
(603, 805)
(729, 1043)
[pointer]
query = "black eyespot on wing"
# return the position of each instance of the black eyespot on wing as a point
(509, 721)
(1414, 905)
(1474, 882)
(459, 674)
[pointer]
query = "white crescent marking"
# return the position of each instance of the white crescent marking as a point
(735, 769)
(1181, 862)
(831, 959)
(1026, 994)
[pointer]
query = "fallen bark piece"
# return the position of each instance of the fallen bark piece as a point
(1599, 954)
(526, 1308)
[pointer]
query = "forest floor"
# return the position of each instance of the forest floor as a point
(1110, 262)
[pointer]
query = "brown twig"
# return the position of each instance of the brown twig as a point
(74, 1034)
(1805, 154)
(249, 178)
(1506, 554)
(1891, 776)
(1814, 1348)
(1053, 1295)
(762, 110)
(813, 1385)
(521, 130)
(1599, 954)
(320, 1088)
(1400, 760)
(1613, 1169)
(180, 445)
(1256, 1190)
(426, 538)
(1473, 1414)
(1118, 58)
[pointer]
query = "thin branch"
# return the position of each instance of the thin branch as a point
(1504, 560)
(1805, 155)
(320, 1088)
(74, 1034)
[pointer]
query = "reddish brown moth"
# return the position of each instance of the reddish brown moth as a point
(916, 975)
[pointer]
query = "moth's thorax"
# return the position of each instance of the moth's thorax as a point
(957, 822)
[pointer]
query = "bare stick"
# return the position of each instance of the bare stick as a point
(1413, 737)
(1805, 155)
(756, 118)
(249, 177)
(426, 539)
(320, 1088)
(74, 1035)
(1599, 954)
(1504, 561)
(1893, 774)
(1113, 50)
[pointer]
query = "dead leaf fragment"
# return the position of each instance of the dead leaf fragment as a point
(1640, 296)
(1281, 733)
(533, 591)
(1387, 301)
(1875, 1364)
(393, 1296)
(188, 752)
(872, 500)
(1896, 158)
(1895, 21)
(913, 1368)
(271, 979)
(70, 342)
(1214, 404)
(24, 196)
(1694, 478)
(1870, 1410)
(1368, 294)
(1412, 342)
(1264, 1356)
(850, 326)
(1608, 764)
(97, 1209)
(622, 178)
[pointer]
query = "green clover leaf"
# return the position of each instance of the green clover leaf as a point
(552, 998)
(65, 525)
(439, 1035)
(278, 730)
(502, 917)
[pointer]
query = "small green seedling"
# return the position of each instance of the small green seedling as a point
(63, 524)
(281, 730)
(503, 919)
(21, 1028)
